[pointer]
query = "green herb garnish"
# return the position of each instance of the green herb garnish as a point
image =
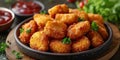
(28, 31)
(43, 12)
(8, 1)
(80, 19)
(66, 40)
(3, 46)
(94, 26)
(17, 54)
(21, 30)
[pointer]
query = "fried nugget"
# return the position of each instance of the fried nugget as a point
(78, 30)
(61, 8)
(103, 32)
(81, 44)
(55, 29)
(41, 20)
(95, 38)
(57, 46)
(67, 18)
(28, 29)
(79, 13)
(39, 41)
(95, 17)
(99, 20)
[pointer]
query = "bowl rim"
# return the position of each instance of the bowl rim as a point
(61, 54)
(8, 10)
(38, 2)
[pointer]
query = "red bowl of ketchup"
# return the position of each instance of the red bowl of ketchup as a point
(6, 18)
(24, 9)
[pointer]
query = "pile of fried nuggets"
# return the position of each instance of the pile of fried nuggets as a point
(48, 30)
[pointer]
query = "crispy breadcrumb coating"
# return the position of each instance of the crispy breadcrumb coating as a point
(57, 46)
(28, 29)
(39, 41)
(78, 30)
(83, 15)
(61, 8)
(81, 44)
(95, 17)
(41, 20)
(55, 29)
(95, 38)
(67, 18)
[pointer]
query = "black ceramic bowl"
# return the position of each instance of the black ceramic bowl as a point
(22, 17)
(85, 55)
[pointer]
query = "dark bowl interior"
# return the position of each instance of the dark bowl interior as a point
(85, 55)
(22, 17)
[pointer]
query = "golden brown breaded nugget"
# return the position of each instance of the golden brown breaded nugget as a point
(81, 14)
(55, 29)
(61, 8)
(95, 38)
(39, 41)
(78, 30)
(28, 29)
(95, 17)
(41, 20)
(103, 32)
(66, 18)
(58, 47)
(81, 44)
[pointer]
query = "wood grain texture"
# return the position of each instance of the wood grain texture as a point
(106, 56)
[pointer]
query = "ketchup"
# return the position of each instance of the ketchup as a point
(26, 7)
(5, 16)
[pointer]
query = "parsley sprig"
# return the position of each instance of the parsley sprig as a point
(21, 30)
(80, 19)
(28, 30)
(94, 26)
(66, 40)
(43, 12)
(17, 54)
(3, 46)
